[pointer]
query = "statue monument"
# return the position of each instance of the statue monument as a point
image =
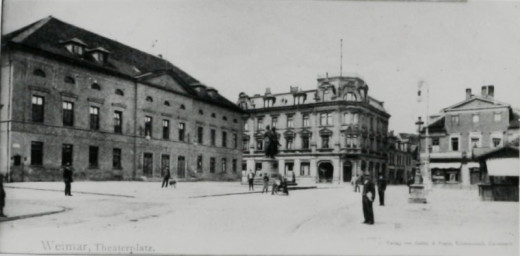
(269, 163)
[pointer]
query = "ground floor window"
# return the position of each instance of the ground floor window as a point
(244, 166)
(445, 175)
(258, 166)
(212, 165)
(36, 153)
(305, 169)
(289, 167)
(116, 158)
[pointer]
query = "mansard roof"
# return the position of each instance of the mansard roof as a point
(47, 36)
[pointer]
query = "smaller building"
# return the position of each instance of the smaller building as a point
(500, 170)
(402, 157)
(476, 125)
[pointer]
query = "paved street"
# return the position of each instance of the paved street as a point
(111, 217)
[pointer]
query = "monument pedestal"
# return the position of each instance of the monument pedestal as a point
(417, 195)
(269, 168)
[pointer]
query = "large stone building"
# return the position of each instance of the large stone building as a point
(464, 130)
(112, 111)
(327, 135)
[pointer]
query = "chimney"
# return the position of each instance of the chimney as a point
(484, 91)
(468, 93)
(491, 91)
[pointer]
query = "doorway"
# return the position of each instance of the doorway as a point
(325, 172)
(347, 171)
(148, 164)
(181, 167)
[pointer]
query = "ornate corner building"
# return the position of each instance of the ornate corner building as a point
(72, 96)
(328, 134)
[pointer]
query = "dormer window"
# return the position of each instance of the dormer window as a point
(149, 99)
(99, 54)
(166, 103)
(120, 92)
(269, 102)
(75, 46)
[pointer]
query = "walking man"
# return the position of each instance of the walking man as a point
(250, 180)
(266, 183)
(368, 197)
(166, 178)
(67, 178)
(381, 187)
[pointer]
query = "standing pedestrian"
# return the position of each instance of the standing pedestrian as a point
(276, 184)
(409, 183)
(355, 182)
(2, 196)
(166, 178)
(266, 183)
(67, 178)
(368, 197)
(250, 180)
(381, 187)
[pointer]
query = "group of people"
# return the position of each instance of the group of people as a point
(368, 195)
(280, 183)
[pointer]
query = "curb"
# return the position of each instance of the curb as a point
(254, 192)
(63, 209)
(76, 192)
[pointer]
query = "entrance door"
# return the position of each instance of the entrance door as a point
(148, 164)
(181, 167)
(325, 172)
(165, 164)
(347, 171)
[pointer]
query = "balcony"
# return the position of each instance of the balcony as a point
(447, 155)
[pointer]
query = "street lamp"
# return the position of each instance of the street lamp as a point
(419, 125)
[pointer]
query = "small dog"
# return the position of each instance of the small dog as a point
(172, 183)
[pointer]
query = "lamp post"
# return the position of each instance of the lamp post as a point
(418, 176)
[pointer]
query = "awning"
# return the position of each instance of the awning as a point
(445, 165)
(473, 165)
(503, 166)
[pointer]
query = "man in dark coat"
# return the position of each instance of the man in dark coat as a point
(67, 178)
(381, 187)
(410, 183)
(368, 196)
(166, 178)
(2, 196)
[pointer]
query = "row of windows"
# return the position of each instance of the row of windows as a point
(475, 142)
(68, 120)
(213, 164)
(325, 119)
(350, 142)
(67, 155)
(475, 118)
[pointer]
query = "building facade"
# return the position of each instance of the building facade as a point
(464, 130)
(114, 112)
(328, 134)
(402, 157)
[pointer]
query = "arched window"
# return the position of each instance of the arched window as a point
(120, 92)
(182, 106)
(95, 86)
(213, 115)
(69, 80)
(350, 97)
(149, 99)
(224, 118)
(201, 112)
(39, 72)
(166, 103)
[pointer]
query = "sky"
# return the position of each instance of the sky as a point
(248, 46)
